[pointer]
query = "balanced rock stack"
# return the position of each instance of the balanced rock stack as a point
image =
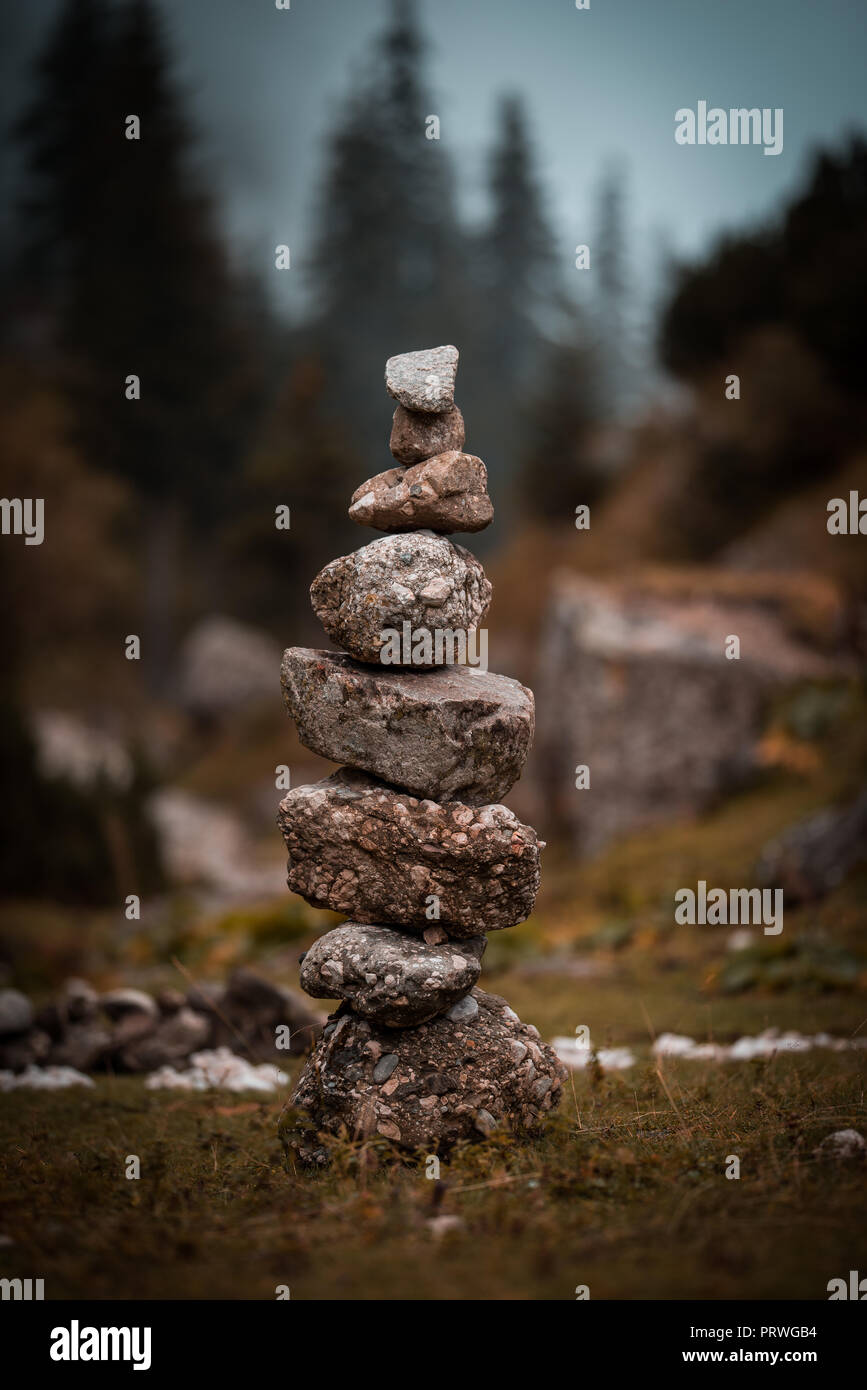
(408, 838)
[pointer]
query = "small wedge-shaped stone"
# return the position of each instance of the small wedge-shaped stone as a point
(418, 434)
(395, 979)
(363, 598)
(449, 732)
(361, 847)
(446, 493)
(423, 380)
(471, 1073)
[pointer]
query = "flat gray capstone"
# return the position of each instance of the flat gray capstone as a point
(381, 856)
(418, 435)
(448, 492)
(387, 976)
(423, 380)
(426, 1087)
(441, 734)
(420, 579)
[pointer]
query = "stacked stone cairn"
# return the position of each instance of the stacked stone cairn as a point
(409, 838)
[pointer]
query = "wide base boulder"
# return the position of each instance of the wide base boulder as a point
(469, 1074)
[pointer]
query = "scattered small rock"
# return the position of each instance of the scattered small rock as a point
(16, 1012)
(218, 1070)
(577, 1056)
(83, 1046)
(843, 1144)
(123, 1001)
(442, 1225)
(765, 1044)
(174, 1039)
(43, 1079)
(78, 1000)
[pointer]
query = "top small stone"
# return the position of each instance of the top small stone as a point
(423, 380)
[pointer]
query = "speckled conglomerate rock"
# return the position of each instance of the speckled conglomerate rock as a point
(448, 492)
(378, 854)
(443, 733)
(472, 1072)
(389, 977)
(417, 434)
(420, 579)
(423, 380)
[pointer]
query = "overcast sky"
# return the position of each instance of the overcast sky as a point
(601, 85)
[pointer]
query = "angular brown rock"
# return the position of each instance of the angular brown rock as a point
(361, 847)
(388, 976)
(418, 434)
(420, 579)
(440, 734)
(445, 493)
(464, 1076)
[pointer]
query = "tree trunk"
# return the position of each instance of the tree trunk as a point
(161, 592)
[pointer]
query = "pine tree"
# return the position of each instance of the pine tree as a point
(518, 261)
(614, 331)
(805, 270)
(386, 274)
(556, 472)
(519, 305)
(64, 133)
(303, 460)
(139, 284)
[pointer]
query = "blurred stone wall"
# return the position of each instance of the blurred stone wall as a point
(635, 684)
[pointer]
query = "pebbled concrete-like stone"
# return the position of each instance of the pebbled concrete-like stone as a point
(420, 579)
(418, 435)
(445, 493)
(441, 734)
(388, 976)
(380, 855)
(423, 380)
(452, 1080)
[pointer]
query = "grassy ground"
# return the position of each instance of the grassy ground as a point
(626, 1193)
(626, 1190)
